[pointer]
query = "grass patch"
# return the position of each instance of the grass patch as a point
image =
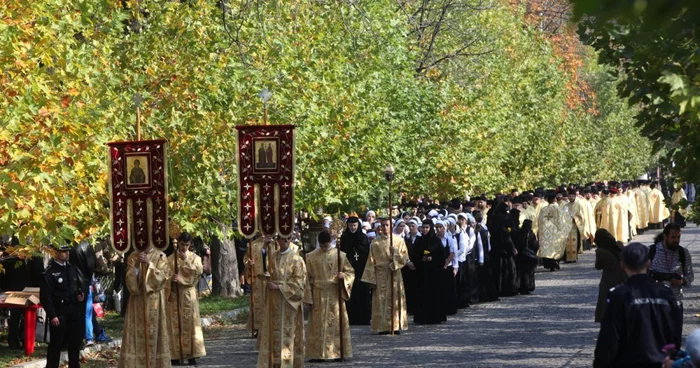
(208, 306)
(9, 357)
(214, 304)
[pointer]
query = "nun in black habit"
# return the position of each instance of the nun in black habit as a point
(355, 244)
(428, 257)
(526, 265)
(487, 289)
(504, 252)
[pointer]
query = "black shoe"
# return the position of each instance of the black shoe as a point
(192, 362)
(174, 362)
(315, 360)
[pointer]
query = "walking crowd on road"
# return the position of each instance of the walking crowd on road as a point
(428, 259)
(423, 260)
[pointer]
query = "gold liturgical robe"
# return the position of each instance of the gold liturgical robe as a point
(642, 208)
(380, 266)
(603, 215)
(575, 214)
(659, 212)
(257, 307)
(284, 324)
(552, 232)
(327, 313)
(634, 219)
(623, 223)
(527, 214)
(614, 211)
(190, 270)
(590, 218)
(679, 195)
(145, 323)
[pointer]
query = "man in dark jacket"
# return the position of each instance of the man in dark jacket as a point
(642, 317)
(62, 297)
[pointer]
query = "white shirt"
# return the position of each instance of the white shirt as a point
(449, 241)
(483, 247)
(467, 239)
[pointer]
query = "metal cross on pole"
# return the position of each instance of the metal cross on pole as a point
(265, 95)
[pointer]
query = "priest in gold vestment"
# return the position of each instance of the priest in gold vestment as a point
(538, 203)
(146, 335)
(608, 212)
(184, 281)
(642, 201)
(281, 336)
(380, 266)
(255, 260)
(578, 218)
(658, 212)
(551, 233)
(588, 205)
(623, 220)
(634, 213)
(328, 287)
(680, 200)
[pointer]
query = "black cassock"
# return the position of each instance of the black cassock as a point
(410, 278)
(487, 290)
(505, 275)
(526, 270)
(430, 308)
(447, 281)
(462, 279)
(356, 248)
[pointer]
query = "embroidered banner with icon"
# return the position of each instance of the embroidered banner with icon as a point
(138, 190)
(265, 159)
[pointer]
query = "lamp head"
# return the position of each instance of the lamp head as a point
(389, 173)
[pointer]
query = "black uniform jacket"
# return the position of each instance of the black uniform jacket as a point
(642, 317)
(59, 289)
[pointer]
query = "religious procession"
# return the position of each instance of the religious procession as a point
(428, 259)
(369, 183)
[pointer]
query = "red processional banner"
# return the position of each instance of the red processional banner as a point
(265, 159)
(138, 189)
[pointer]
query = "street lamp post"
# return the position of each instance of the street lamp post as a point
(389, 176)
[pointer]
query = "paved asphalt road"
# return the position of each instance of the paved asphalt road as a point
(551, 328)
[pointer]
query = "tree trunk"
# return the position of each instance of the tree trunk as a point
(224, 265)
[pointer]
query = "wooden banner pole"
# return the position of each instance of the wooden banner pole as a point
(138, 123)
(341, 284)
(252, 294)
(144, 274)
(177, 295)
(391, 250)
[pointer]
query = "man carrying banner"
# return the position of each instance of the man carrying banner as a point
(388, 299)
(184, 308)
(146, 340)
(328, 286)
(255, 261)
(282, 332)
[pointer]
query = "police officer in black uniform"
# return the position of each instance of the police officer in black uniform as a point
(641, 319)
(61, 297)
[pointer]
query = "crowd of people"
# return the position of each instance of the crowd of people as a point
(425, 260)
(430, 259)
(160, 300)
